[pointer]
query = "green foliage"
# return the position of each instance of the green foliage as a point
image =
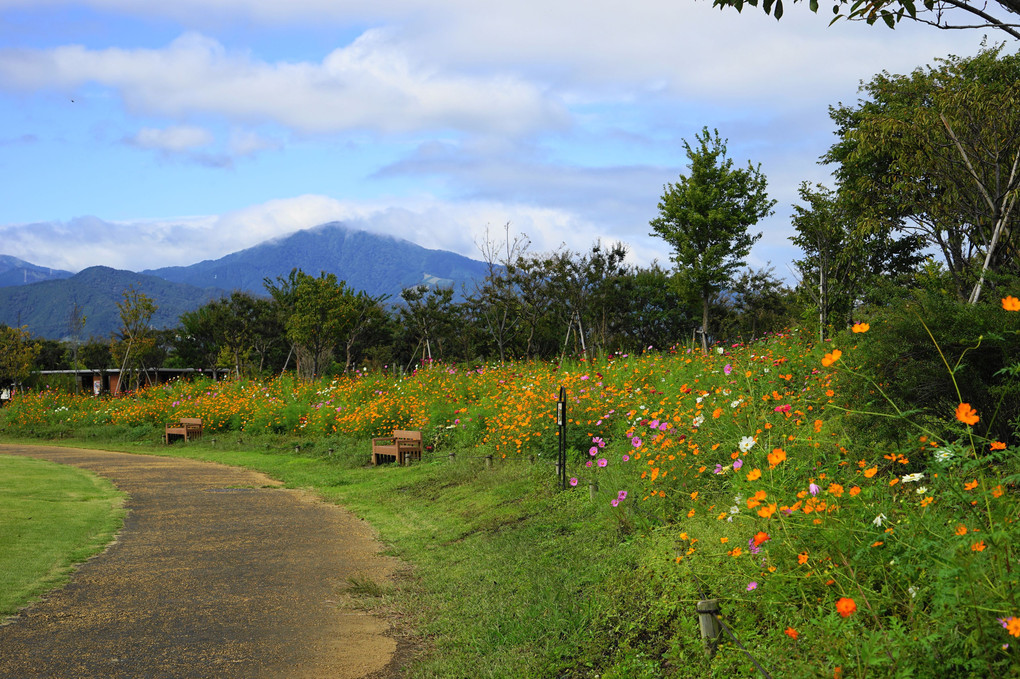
(961, 14)
(937, 152)
(906, 367)
(17, 355)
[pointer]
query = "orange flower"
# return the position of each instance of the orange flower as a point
(978, 546)
(802, 558)
(997, 491)
(966, 414)
(717, 413)
(793, 634)
(754, 475)
(970, 485)
(961, 530)
(861, 327)
(998, 445)
(871, 471)
(846, 606)
(1013, 626)
(829, 359)
(735, 552)
(855, 491)
(760, 538)
(766, 512)
(836, 489)
(776, 456)
(1010, 303)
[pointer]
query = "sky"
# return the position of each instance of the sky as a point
(138, 134)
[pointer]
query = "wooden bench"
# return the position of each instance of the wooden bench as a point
(402, 446)
(188, 427)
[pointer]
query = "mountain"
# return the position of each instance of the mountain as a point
(14, 271)
(45, 307)
(366, 261)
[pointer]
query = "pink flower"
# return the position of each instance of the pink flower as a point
(615, 502)
(727, 369)
(622, 495)
(751, 586)
(737, 464)
(573, 480)
(785, 408)
(813, 489)
(593, 451)
(602, 462)
(636, 442)
(626, 457)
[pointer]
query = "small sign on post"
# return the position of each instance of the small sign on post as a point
(561, 424)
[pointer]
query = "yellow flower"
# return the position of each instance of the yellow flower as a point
(861, 327)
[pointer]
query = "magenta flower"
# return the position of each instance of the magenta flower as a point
(751, 586)
(602, 462)
(636, 442)
(593, 451)
(615, 502)
(813, 489)
(727, 369)
(626, 457)
(573, 480)
(737, 464)
(622, 495)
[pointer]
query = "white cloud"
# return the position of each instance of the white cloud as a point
(175, 139)
(371, 84)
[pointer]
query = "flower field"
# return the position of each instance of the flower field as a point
(741, 470)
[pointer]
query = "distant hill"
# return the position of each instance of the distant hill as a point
(366, 261)
(376, 264)
(14, 271)
(45, 307)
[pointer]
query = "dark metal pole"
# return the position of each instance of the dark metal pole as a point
(561, 423)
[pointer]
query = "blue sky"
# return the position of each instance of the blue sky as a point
(139, 134)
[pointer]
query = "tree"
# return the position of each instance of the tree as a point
(496, 300)
(429, 313)
(136, 311)
(17, 355)
(937, 153)
(938, 13)
(75, 325)
(842, 258)
(705, 217)
(325, 310)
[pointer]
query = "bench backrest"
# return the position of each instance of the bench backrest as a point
(407, 438)
(192, 420)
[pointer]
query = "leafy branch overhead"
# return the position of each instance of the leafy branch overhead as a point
(946, 14)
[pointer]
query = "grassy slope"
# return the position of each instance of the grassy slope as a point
(51, 517)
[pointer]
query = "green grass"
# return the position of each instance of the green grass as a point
(51, 517)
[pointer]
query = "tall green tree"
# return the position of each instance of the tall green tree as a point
(937, 153)
(706, 216)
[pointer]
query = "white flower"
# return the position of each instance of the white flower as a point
(879, 520)
(746, 443)
(698, 421)
(913, 591)
(910, 478)
(720, 351)
(943, 455)
(921, 490)
(734, 404)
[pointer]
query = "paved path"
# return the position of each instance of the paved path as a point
(217, 573)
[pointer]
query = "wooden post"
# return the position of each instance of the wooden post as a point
(488, 461)
(452, 455)
(593, 489)
(710, 629)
